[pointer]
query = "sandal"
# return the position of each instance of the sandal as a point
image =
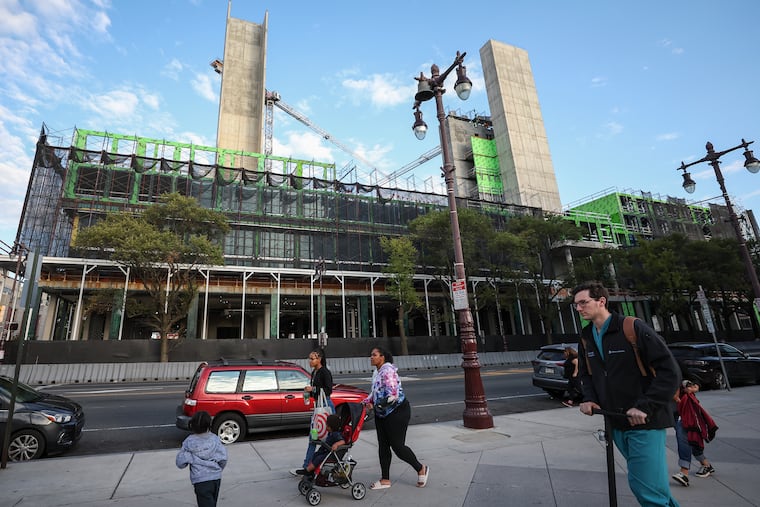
(379, 485)
(423, 478)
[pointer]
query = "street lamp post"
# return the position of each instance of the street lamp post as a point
(476, 414)
(753, 165)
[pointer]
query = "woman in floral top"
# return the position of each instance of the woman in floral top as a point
(392, 415)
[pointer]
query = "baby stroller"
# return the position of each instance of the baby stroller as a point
(336, 468)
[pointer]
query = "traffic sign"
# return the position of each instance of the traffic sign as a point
(459, 294)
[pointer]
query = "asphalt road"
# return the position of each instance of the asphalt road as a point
(136, 417)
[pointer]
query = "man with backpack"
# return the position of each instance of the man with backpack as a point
(635, 375)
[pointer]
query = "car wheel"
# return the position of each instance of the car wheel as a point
(26, 445)
(230, 428)
(719, 381)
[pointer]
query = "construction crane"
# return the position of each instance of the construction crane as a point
(273, 99)
(428, 155)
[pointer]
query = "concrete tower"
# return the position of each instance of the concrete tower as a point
(526, 166)
(241, 104)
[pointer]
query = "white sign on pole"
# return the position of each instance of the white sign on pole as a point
(705, 310)
(459, 294)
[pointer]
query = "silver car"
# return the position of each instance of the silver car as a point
(549, 369)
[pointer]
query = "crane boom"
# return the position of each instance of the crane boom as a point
(428, 155)
(275, 99)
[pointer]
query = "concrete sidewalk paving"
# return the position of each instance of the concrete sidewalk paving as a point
(550, 457)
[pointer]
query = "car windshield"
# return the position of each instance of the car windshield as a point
(24, 393)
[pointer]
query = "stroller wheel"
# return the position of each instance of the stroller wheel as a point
(313, 497)
(358, 491)
(304, 485)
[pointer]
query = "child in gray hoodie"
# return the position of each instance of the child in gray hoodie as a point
(207, 457)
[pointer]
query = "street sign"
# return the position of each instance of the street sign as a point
(705, 310)
(459, 294)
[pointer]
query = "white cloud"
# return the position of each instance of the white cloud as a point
(613, 128)
(598, 81)
(151, 100)
(101, 22)
(201, 83)
(669, 136)
(172, 69)
(383, 90)
(303, 145)
(118, 104)
(13, 22)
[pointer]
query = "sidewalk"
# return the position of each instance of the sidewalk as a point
(549, 458)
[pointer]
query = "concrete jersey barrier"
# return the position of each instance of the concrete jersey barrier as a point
(103, 373)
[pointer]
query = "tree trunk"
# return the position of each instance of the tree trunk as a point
(402, 331)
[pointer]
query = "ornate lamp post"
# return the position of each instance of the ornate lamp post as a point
(753, 165)
(476, 414)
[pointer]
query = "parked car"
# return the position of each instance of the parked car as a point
(699, 363)
(43, 424)
(549, 370)
(252, 396)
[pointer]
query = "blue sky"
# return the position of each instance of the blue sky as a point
(627, 89)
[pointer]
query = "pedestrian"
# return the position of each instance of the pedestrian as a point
(392, 415)
(611, 380)
(574, 394)
(333, 439)
(207, 457)
(321, 380)
(694, 427)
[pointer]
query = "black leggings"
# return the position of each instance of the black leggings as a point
(391, 434)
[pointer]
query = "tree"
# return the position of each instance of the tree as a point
(163, 248)
(431, 233)
(402, 260)
(539, 236)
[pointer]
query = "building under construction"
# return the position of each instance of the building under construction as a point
(303, 251)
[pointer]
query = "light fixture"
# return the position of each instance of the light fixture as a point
(424, 90)
(688, 184)
(751, 163)
(419, 127)
(463, 86)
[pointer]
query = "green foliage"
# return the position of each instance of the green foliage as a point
(401, 267)
(163, 248)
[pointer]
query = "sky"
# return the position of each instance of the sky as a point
(627, 90)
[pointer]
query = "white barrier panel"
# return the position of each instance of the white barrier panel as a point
(102, 373)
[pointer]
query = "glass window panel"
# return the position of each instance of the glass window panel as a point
(292, 380)
(222, 381)
(259, 381)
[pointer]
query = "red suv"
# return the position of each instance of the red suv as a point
(253, 396)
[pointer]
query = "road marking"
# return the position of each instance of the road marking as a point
(120, 428)
(487, 399)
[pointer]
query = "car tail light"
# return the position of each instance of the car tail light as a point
(559, 363)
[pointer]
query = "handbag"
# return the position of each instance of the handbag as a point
(319, 419)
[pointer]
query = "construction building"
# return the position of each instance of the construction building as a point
(303, 252)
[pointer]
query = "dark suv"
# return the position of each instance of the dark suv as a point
(699, 362)
(549, 369)
(43, 424)
(253, 396)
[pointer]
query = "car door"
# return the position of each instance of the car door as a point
(741, 367)
(294, 411)
(259, 390)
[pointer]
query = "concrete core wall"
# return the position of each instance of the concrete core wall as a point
(526, 165)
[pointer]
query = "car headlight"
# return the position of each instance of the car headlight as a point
(56, 417)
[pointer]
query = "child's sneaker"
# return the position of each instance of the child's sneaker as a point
(705, 471)
(681, 479)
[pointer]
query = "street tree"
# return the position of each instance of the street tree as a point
(542, 286)
(163, 248)
(402, 262)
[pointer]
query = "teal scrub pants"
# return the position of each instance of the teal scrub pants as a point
(644, 452)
